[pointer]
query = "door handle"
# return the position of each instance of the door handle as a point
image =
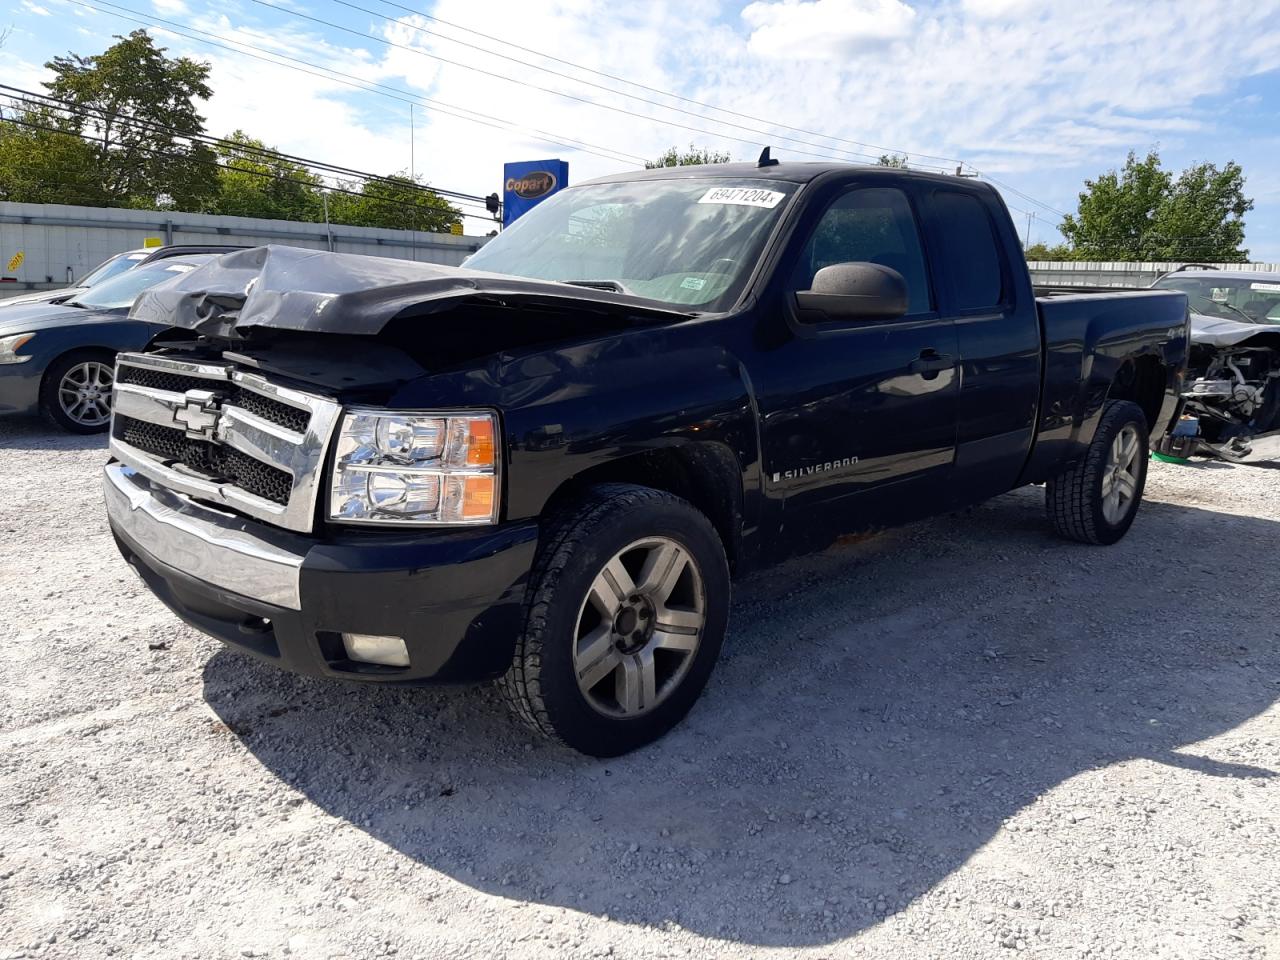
(930, 361)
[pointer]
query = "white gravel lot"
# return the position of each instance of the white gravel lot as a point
(960, 739)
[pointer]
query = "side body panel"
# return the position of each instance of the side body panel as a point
(1088, 338)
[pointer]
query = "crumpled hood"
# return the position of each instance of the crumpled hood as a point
(1221, 332)
(290, 288)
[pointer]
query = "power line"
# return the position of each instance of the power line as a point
(350, 80)
(226, 166)
(70, 106)
(404, 96)
(560, 93)
(610, 76)
(579, 80)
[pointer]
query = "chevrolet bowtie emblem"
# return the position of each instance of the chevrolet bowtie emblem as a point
(198, 415)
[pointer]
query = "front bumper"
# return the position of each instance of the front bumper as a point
(20, 387)
(454, 596)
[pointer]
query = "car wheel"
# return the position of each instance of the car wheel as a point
(626, 612)
(1097, 499)
(76, 391)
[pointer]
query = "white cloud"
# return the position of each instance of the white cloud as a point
(36, 9)
(824, 29)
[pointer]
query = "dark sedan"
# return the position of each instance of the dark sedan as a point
(59, 359)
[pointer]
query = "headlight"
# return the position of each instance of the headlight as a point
(416, 469)
(9, 347)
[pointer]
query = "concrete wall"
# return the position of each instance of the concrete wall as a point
(62, 243)
(1089, 273)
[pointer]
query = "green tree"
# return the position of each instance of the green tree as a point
(694, 156)
(397, 203)
(252, 183)
(1142, 213)
(1042, 251)
(898, 160)
(1202, 216)
(137, 107)
(43, 161)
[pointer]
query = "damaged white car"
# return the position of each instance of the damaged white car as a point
(1232, 391)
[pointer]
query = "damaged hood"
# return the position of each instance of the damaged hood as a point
(290, 288)
(1221, 332)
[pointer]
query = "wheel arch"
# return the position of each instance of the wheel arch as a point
(707, 474)
(1141, 379)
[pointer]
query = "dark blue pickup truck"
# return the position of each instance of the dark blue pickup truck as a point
(545, 468)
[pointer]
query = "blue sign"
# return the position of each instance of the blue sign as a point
(528, 183)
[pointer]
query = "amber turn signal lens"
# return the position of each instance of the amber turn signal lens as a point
(480, 443)
(477, 498)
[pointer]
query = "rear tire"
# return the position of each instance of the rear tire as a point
(1097, 499)
(626, 613)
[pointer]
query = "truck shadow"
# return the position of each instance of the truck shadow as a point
(882, 709)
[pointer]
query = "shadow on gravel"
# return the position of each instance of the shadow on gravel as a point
(881, 709)
(33, 433)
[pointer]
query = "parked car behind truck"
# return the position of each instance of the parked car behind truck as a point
(545, 468)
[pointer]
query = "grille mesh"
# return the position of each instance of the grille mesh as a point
(273, 411)
(216, 462)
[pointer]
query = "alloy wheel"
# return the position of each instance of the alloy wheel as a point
(1120, 478)
(85, 393)
(639, 627)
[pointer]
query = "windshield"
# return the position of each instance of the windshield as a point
(687, 242)
(1246, 301)
(120, 292)
(111, 268)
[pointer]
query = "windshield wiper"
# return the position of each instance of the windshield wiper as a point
(612, 285)
(1247, 318)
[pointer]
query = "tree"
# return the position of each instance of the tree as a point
(43, 161)
(898, 160)
(1202, 217)
(694, 156)
(1142, 213)
(396, 203)
(251, 183)
(137, 108)
(1042, 251)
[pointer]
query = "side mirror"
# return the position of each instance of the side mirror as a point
(854, 291)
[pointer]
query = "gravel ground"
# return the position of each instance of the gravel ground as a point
(960, 739)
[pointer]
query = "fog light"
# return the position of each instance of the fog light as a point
(368, 648)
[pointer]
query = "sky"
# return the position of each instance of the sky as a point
(1038, 95)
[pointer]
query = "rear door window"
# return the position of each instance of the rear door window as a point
(967, 245)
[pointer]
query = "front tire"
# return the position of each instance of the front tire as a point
(626, 613)
(1097, 499)
(75, 394)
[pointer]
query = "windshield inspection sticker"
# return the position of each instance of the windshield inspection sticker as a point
(693, 283)
(743, 197)
(1265, 287)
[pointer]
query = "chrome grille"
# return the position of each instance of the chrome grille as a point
(281, 414)
(224, 435)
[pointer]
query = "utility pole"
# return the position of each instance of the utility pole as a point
(413, 178)
(324, 194)
(1026, 243)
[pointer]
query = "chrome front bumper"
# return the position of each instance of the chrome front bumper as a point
(220, 549)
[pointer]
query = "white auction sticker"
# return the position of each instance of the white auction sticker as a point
(743, 196)
(1265, 287)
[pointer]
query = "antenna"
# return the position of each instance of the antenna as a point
(766, 160)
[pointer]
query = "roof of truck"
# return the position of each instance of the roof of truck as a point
(780, 170)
